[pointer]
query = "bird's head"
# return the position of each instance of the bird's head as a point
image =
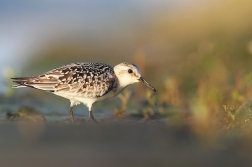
(128, 73)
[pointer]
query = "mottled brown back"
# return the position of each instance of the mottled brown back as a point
(77, 79)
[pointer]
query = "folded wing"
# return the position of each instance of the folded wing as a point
(80, 79)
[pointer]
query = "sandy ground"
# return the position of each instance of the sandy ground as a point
(114, 144)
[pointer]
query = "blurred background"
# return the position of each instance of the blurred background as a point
(196, 53)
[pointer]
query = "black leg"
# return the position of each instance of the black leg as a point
(70, 111)
(91, 116)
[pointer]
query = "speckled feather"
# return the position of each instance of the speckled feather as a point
(89, 80)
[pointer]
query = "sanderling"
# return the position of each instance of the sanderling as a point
(85, 82)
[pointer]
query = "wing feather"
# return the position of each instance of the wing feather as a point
(76, 79)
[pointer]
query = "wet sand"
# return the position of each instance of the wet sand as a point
(114, 144)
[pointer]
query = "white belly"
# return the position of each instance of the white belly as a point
(75, 99)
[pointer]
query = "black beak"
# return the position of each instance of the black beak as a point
(146, 84)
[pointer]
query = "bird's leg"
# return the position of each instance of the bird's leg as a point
(91, 116)
(70, 111)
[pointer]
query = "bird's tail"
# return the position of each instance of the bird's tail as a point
(35, 82)
(21, 82)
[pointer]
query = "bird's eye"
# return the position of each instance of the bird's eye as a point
(130, 71)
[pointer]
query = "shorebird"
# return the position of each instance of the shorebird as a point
(85, 83)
